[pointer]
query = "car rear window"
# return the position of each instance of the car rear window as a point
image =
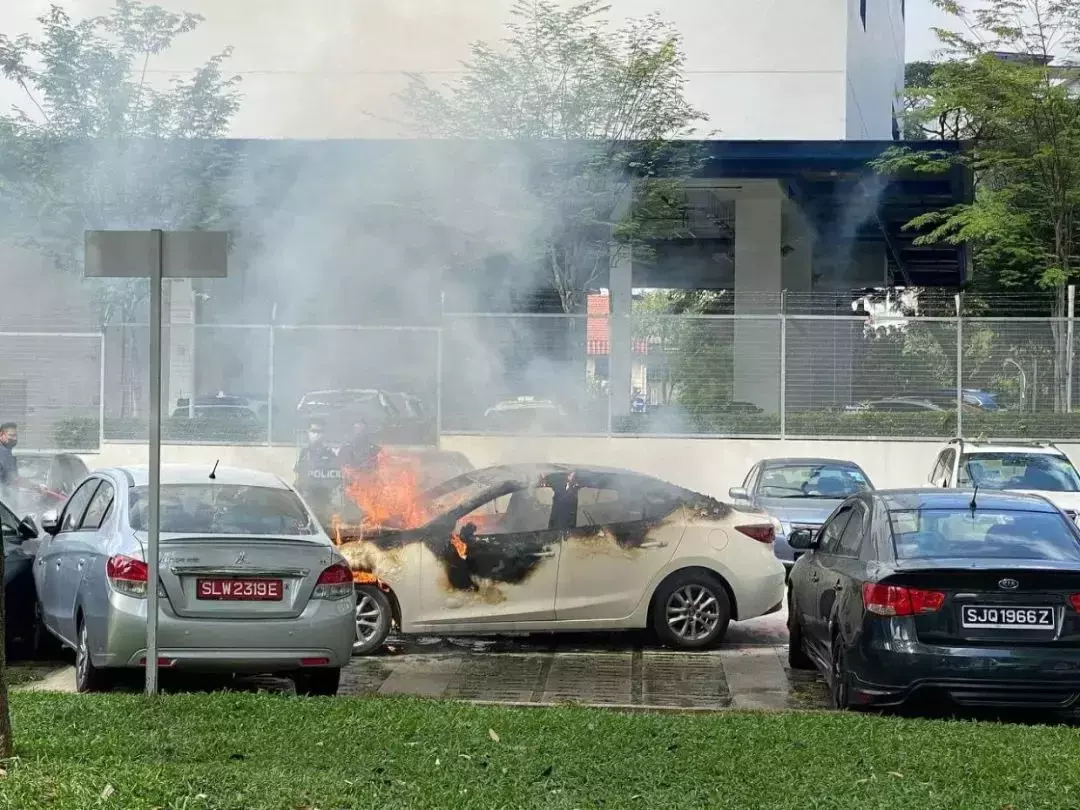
(988, 533)
(223, 509)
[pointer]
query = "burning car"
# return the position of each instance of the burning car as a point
(553, 547)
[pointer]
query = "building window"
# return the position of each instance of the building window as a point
(862, 13)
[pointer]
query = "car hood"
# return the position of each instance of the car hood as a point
(800, 510)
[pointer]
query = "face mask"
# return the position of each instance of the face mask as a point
(12, 442)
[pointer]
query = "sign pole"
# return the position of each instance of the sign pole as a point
(153, 538)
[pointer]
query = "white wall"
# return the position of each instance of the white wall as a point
(762, 69)
(705, 465)
(875, 68)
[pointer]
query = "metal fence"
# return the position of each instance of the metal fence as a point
(775, 376)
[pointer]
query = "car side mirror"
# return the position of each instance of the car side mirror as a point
(50, 522)
(802, 540)
(738, 494)
(27, 529)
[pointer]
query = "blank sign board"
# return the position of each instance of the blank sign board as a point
(134, 254)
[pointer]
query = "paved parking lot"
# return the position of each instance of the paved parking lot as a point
(749, 671)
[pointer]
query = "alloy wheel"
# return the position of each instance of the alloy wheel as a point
(693, 612)
(839, 682)
(82, 657)
(369, 618)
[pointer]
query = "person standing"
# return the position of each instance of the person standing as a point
(9, 466)
(318, 476)
(360, 453)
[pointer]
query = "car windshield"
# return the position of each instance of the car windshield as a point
(812, 481)
(223, 509)
(1034, 471)
(983, 533)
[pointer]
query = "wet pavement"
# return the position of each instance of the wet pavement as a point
(749, 671)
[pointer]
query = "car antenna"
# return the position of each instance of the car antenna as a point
(213, 472)
(974, 505)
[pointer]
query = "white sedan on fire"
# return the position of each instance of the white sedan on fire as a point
(543, 548)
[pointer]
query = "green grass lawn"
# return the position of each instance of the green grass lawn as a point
(252, 752)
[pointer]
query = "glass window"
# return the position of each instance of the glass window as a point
(71, 519)
(996, 534)
(526, 510)
(1041, 472)
(853, 533)
(598, 507)
(830, 534)
(223, 509)
(833, 481)
(100, 506)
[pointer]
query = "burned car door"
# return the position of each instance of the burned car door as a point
(498, 566)
(626, 530)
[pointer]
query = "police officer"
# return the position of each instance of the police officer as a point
(318, 475)
(360, 453)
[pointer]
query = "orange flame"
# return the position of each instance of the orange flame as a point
(459, 545)
(390, 495)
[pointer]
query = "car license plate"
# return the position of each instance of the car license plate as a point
(997, 617)
(240, 590)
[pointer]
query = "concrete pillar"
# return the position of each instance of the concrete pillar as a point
(758, 283)
(179, 350)
(797, 271)
(621, 363)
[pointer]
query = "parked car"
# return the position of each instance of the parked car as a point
(970, 596)
(249, 582)
(1016, 466)
(339, 408)
(551, 547)
(20, 539)
(47, 480)
(800, 493)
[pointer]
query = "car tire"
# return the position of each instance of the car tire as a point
(796, 652)
(318, 682)
(691, 611)
(373, 619)
(88, 678)
(839, 677)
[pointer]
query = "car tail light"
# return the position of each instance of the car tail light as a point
(760, 532)
(334, 583)
(895, 600)
(127, 575)
(1074, 600)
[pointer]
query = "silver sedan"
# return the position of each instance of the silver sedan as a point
(249, 583)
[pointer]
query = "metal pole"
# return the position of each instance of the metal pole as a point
(1069, 350)
(960, 365)
(101, 394)
(439, 383)
(156, 272)
(270, 385)
(783, 364)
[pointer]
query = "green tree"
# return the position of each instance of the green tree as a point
(1020, 116)
(606, 107)
(95, 144)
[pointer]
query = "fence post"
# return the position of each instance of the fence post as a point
(439, 382)
(101, 394)
(1069, 351)
(270, 383)
(783, 364)
(960, 365)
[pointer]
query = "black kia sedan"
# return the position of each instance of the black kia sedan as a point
(971, 596)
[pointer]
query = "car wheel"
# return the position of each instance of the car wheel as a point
(796, 652)
(318, 682)
(88, 678)
(839, 677)
(691, 611)
(373, 615)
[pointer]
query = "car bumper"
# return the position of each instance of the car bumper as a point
(762, 595)
(323, 633)
(888, 673)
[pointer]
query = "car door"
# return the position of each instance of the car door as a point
(82, 556)
(844, 574)
(502, 573)
(812, 582)
(942, 468)
(53, 557)
(618, 544)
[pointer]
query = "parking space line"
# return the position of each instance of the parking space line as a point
(756, 678)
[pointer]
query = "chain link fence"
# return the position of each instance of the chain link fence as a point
(784, 375)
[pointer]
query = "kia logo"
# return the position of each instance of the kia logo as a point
(242, 556)
(1008, 584)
